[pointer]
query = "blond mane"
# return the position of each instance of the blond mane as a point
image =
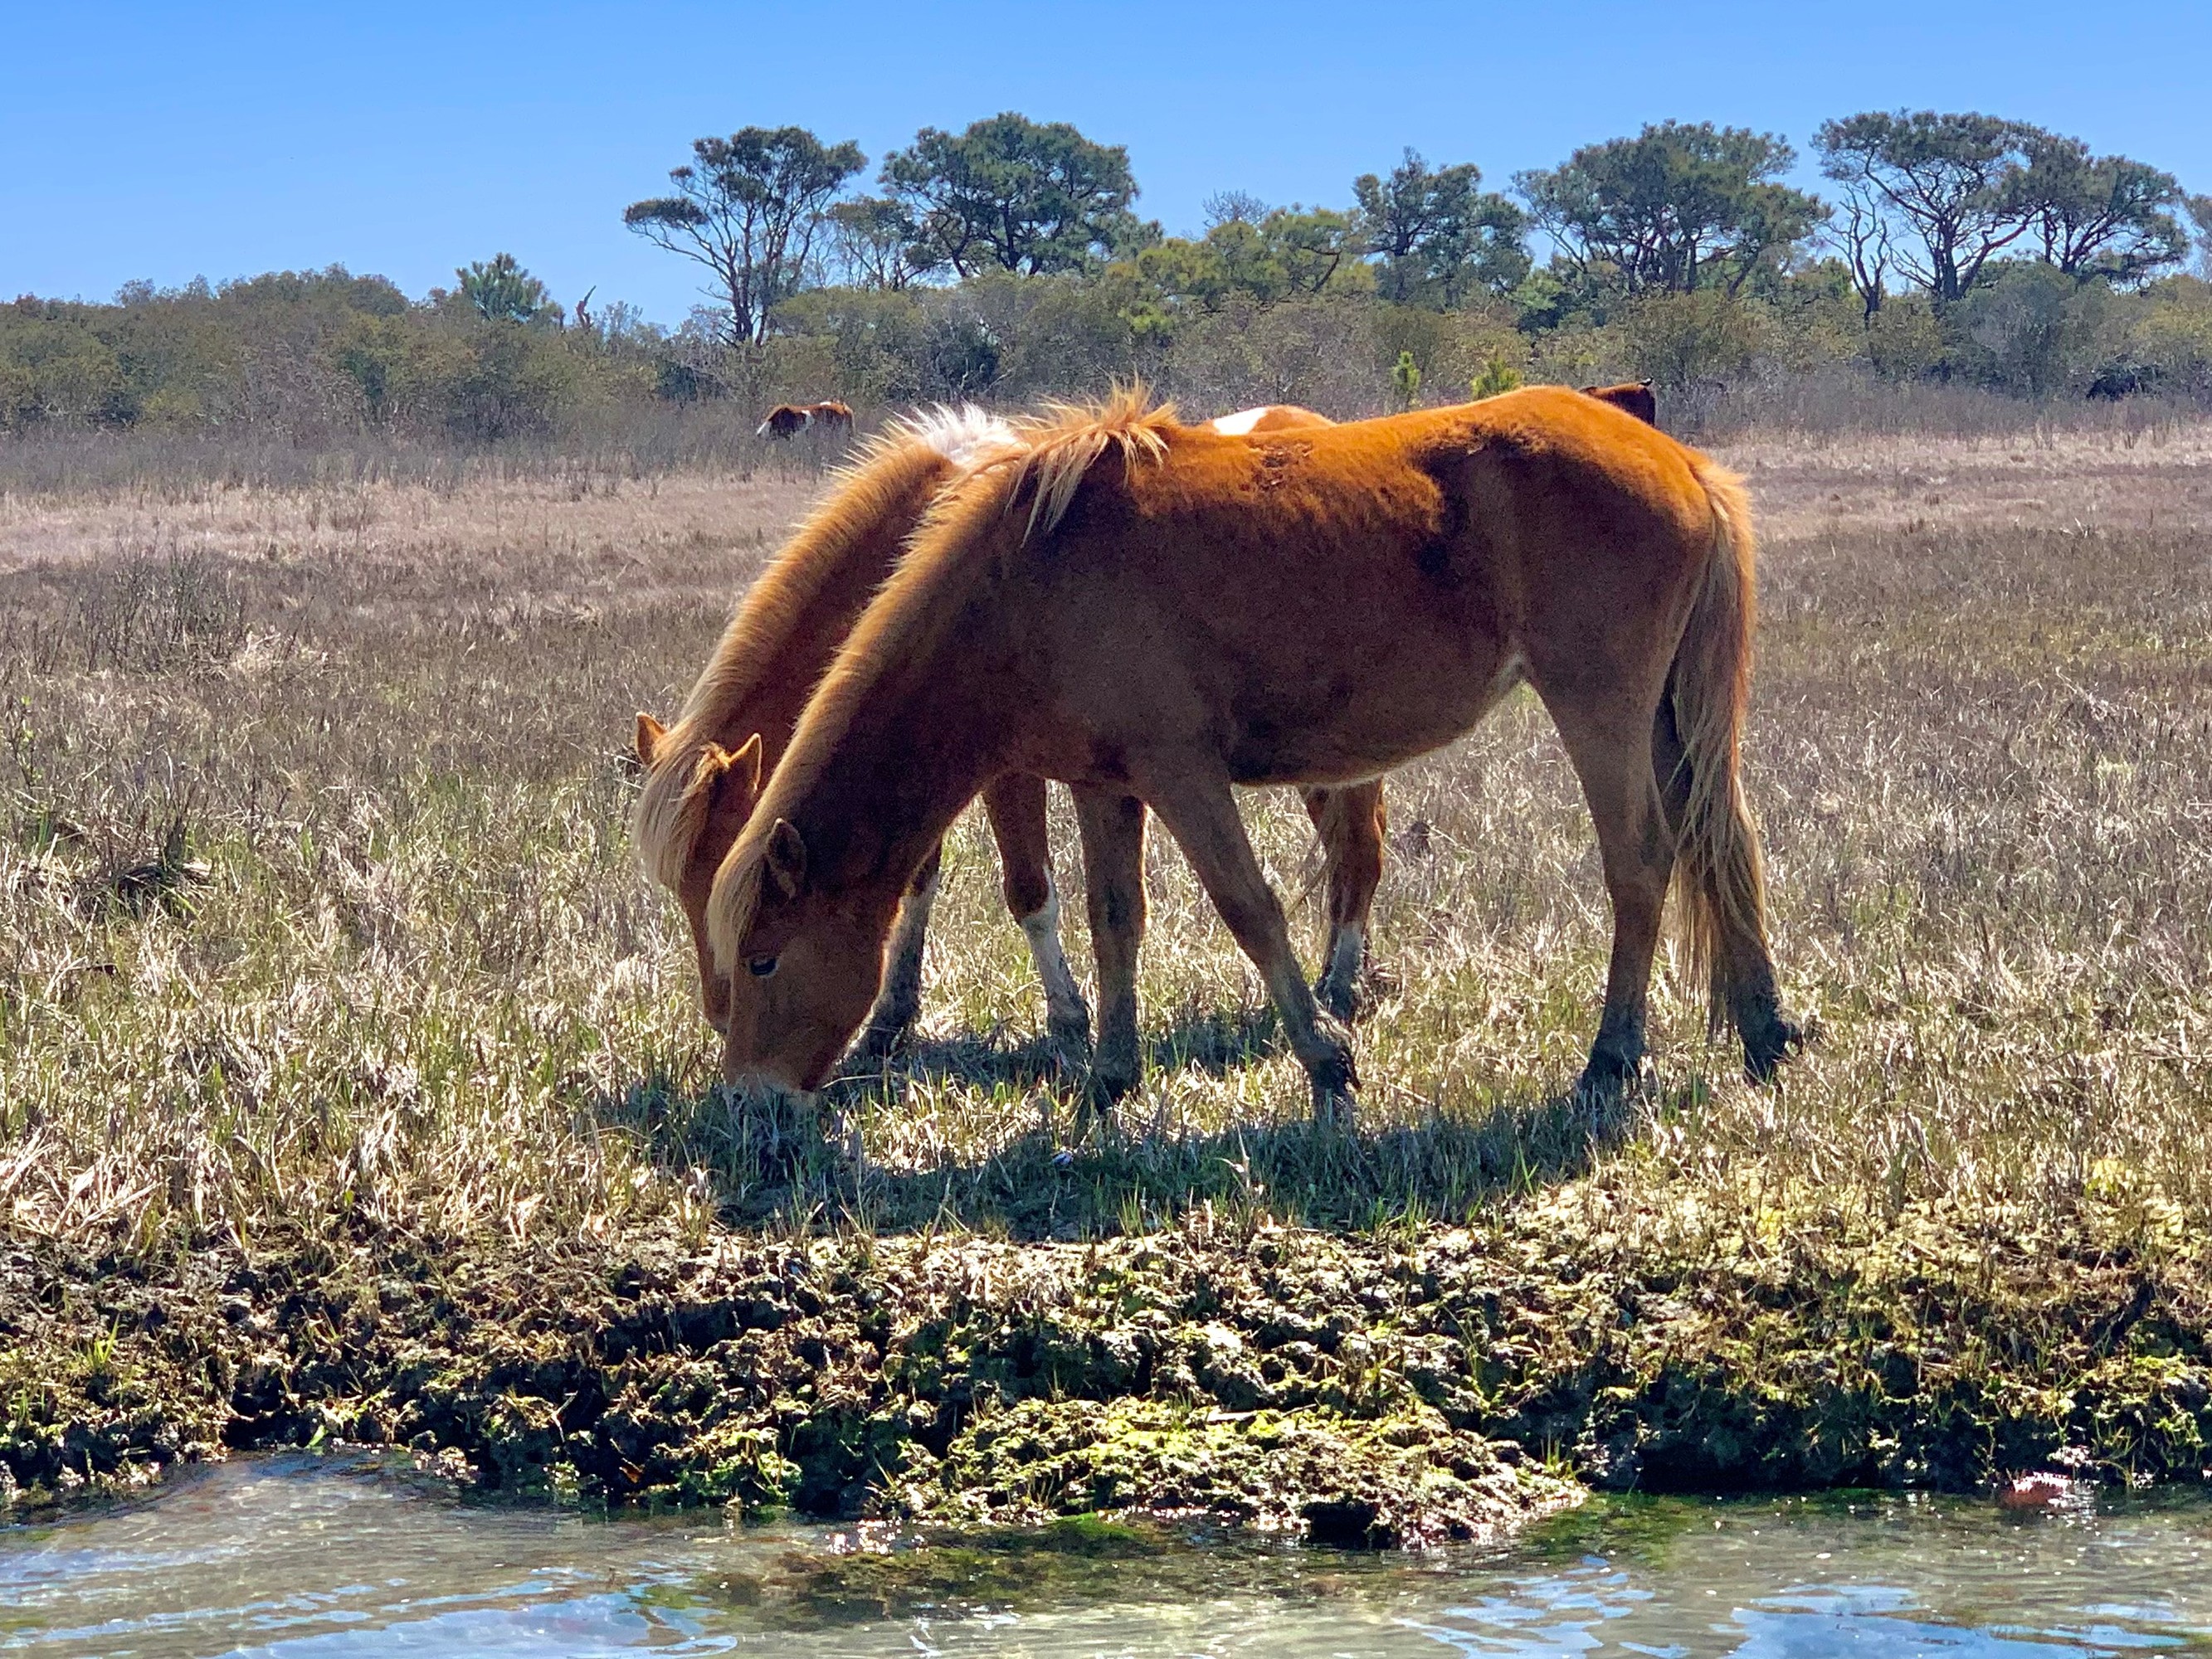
(883, 475)
(1060, 445)
(953, 545)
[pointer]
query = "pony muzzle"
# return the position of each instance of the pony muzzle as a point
(763, 1085)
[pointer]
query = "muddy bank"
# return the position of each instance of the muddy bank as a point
(1401, 1386)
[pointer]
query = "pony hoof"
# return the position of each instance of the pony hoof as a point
(1071, 1036)
(1106, 1086)
(878, 1043)
(1335, 1108)
(1762, 1056)
(1335, 1087)
(1608, 1081)
(1328, 1053)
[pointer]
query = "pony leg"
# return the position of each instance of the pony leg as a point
(1201, 815)
(1113, 827)
(1016, 807)
(899, 1002)
(1637, 845)
(1350, 822)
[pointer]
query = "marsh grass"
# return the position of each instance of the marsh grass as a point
(632, 441)
(386, 968)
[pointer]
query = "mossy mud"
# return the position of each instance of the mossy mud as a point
(1404, 1385)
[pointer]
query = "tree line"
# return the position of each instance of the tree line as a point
(1009, 256)
(1926, 202)
(1008, 259)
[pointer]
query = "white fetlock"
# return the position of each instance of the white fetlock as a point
(1067, 1015)
(1339, 980)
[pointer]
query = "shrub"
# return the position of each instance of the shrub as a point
(2036, 333)
(1497, 376)
(1320, 352)
(1903, 341)
(1405, 379)
(1575, 355)
(1678, 340)
(875, 342)
(2173, 338)
(1452, 347)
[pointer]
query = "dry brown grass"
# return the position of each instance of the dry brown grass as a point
(317, 915)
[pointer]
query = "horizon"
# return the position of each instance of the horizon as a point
(228, 144)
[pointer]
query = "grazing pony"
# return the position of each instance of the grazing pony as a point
(1130, 603)
(702, 773)
(1635, 397)
(787, 420)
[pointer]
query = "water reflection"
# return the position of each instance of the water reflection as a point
(312, 1558)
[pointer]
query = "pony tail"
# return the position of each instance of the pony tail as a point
(1718, 870)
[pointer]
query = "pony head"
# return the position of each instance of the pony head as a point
(698, 794)
(796, 929)
(695, 804)
(803, 965)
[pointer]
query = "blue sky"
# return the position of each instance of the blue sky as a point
(162, 142)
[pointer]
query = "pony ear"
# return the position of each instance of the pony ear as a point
(650, 731)
(715, 770)
(746, 761)
(786, 858)
(717, 766)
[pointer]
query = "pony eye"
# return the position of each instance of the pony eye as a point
(762, 967)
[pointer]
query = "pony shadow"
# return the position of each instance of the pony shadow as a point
(1215, 1043)
(775, 1167)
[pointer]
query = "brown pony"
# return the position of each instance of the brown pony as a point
(702, 773)
(787, 420)
(1632, 397)
(1314, 607)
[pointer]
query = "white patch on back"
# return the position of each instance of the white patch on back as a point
(962, 434)
(1240, 424)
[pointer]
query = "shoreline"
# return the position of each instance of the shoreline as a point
(1401, 1387)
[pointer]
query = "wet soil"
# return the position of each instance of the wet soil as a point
(1399, 1387)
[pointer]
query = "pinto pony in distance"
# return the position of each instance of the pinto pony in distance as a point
(702, 773)
(787, 421)
(1130, 603)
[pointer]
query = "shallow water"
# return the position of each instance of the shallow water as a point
(309, 1556)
